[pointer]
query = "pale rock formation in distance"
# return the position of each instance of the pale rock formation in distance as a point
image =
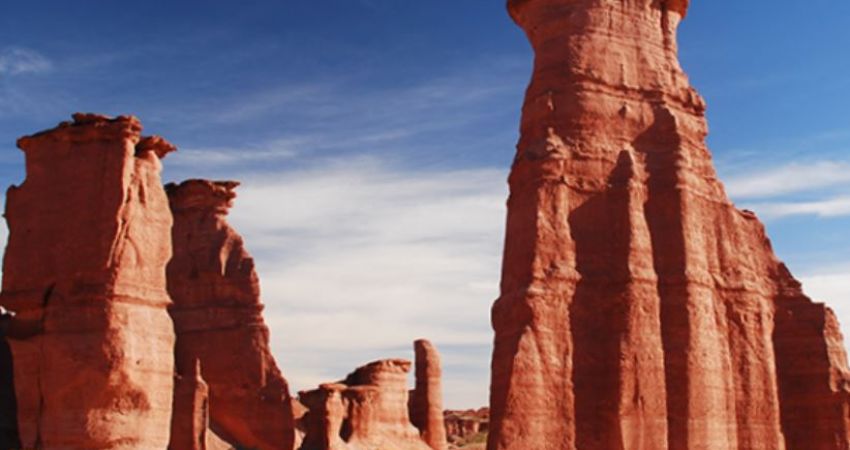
(218, 320)
(639, 308)
(89, 238)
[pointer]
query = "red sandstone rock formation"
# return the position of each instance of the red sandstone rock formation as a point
(218, 320)
(464, 425)
(324, 418)
(426, 401)
(190, 414)
(639, 308)
(366, 411)
(89, 238)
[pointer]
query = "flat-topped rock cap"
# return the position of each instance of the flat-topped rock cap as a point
(516, 7)
(199, 194)
(92, 127)
(366, 374)
(156, 144)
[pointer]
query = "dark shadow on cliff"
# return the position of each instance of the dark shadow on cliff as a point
(9, 437)
(661, 144)
(599, 312)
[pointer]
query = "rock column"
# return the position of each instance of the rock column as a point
(218, 319)
(426, 402)
(639, 308)
(89, 238)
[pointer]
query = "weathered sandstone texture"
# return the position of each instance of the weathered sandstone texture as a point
(190, 414)
(461, 426)
(89, 238)
(426, 400)
(639, 308)
(366, 411)
(218, 320)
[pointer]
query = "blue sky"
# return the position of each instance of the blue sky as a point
(373, 138)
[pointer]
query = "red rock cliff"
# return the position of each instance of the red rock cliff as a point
(639, 308)
(218, 320)
(89, 238)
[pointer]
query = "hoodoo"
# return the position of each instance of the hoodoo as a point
(639, 309)
(218, 320)
(366, 411)
(89, 238)
(426, 400)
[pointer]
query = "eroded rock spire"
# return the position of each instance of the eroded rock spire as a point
(89, 238)
(639, 309)
(218, 319)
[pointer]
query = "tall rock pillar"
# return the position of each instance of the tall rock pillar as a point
(426, 400)
(639, 309)
(89, 238)
(218, 319)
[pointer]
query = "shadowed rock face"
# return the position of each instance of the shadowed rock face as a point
(639, 309)
(426, 401)
(366, 411)
(190, 414)
(218, 320)
(89, 238)
(8, 402)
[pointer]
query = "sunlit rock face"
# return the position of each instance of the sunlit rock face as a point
(89, 239)
(426, 400)
(639, 309)
(218, 320)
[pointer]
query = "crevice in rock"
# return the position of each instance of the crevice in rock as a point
(45, 304)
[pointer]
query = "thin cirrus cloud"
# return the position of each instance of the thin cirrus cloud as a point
(358, 258)
(827, 208)
(790, 178)
(771, 193)
(18, 61)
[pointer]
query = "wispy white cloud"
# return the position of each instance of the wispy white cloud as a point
(276, 150)
(18, 60)
(790, 178)
(358, 258)
(828, 208)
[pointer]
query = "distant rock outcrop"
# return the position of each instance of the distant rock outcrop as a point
(218, 320)
(463, 426)
(639, 309)
(426, 401)
(366, 411)
(89, 238)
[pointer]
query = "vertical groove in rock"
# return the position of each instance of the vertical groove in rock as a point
(190, 419)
